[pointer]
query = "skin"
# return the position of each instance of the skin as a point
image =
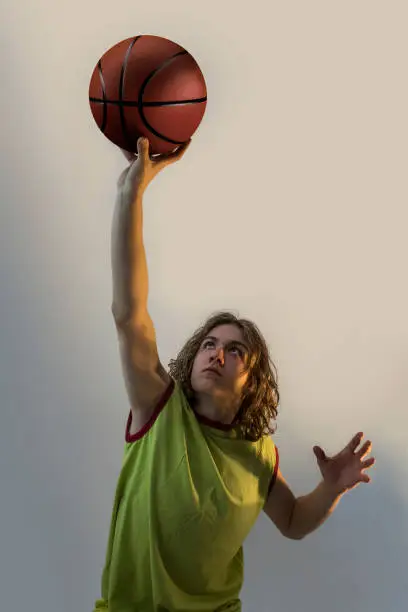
(219, 394)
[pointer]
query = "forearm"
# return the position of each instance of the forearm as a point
(128, 256)
(312, 510)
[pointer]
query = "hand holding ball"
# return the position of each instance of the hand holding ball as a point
(142, 169)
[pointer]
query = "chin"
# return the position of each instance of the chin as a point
(204, 385)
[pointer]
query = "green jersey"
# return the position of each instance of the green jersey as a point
(188, 494)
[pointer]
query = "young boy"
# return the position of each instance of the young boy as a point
(199, 462)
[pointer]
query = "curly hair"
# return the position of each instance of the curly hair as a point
(260, 397)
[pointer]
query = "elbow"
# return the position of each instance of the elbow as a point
(126, 317)
(292, 534)
(296, 536)
(120, 316)
(292, 531)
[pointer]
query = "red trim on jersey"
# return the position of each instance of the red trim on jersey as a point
(216, 424)
(160, 405)
(275, 471)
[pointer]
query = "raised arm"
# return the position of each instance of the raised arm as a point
(145, 377)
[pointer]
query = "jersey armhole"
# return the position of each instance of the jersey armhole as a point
(275, 471)
(160, 406)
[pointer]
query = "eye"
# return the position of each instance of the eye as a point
(208, 344)
(237, 350)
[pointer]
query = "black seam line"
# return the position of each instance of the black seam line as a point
(147, 104)
(121, 92)
(140, 100)
(103, 86)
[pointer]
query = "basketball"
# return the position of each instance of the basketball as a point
(147, 86)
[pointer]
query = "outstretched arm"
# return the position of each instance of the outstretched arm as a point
(296, 517)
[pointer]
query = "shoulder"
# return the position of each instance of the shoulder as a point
(268, 449)
(171, 402)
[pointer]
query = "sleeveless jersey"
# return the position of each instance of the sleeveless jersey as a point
(188, 494)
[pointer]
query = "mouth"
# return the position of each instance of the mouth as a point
(213, 371)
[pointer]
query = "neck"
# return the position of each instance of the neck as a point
(218, 409)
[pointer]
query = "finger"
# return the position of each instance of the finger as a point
(143, 147)
(364, 450)
(178, 153)
(174, 155)
(320, 454)
(367, 463)
(365, 478)
(355, 441)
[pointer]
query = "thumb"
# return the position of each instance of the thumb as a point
(143, 148)
(319, 453)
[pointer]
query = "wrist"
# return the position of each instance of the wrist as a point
(133, 195)
(331, 492)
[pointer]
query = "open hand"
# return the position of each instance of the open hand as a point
(346, 470)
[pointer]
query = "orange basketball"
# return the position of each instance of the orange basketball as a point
(147, 86)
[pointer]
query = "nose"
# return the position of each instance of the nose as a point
(219, 356)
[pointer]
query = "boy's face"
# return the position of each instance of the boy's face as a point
(219, 366)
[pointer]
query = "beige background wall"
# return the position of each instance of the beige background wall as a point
(290, 207)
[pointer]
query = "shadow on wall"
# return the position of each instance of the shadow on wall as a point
(356, 561)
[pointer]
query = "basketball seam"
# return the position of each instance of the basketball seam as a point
(141, 92)
(151, 103)
(103, 86)
(121, 92)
